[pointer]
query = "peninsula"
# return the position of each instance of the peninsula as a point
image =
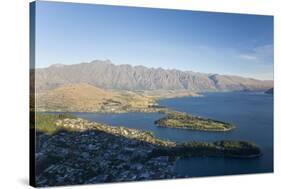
(71, 123)
(67, 145)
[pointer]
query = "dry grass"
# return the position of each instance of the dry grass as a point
(87, 98)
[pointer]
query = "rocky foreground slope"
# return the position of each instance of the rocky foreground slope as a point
(68, 158)
(80, 155)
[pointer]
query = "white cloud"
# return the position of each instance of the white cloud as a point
(262, 54)
(247, 57)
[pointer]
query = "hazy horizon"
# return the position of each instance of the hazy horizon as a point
(205, 42)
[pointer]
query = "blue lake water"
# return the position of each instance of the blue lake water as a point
(251, 113)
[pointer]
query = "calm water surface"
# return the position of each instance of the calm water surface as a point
(251, 113)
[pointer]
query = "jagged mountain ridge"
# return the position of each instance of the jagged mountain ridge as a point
(107, 75)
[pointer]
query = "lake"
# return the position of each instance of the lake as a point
(250, 112)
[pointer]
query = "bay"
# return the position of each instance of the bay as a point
(250, 112)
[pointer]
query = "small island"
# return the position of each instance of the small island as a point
(186, 121)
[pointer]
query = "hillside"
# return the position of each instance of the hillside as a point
(106, 75)
(88, 98)
(269, 91)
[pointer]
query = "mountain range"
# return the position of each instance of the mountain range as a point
(106, 75)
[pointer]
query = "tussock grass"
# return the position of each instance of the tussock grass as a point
(46, 122)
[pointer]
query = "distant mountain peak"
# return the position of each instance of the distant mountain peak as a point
(106, 61)
(56, 65)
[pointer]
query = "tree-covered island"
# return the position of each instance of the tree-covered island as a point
(181, 120)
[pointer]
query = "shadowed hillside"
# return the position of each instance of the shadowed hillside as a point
(270, 91)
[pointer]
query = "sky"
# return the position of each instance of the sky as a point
(234, 44)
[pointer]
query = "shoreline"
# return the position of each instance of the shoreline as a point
(125, 109)
(80, 125)
(77, 150)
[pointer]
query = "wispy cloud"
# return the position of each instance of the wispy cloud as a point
(263, 54)
(247, 57)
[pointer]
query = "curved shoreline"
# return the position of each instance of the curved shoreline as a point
(102, 152)
(229, 148)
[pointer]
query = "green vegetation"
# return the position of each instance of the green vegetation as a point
(225, 148)
(186, 121)
(238, 148)
(47, 122)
